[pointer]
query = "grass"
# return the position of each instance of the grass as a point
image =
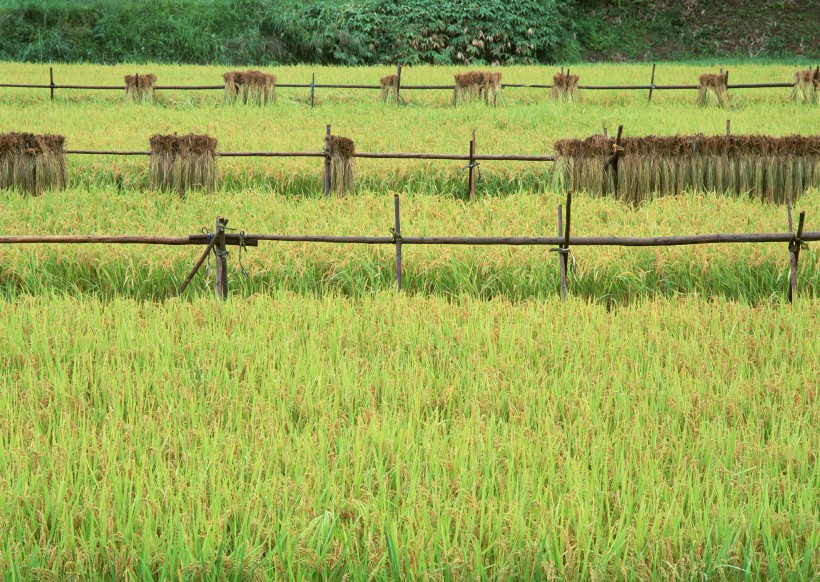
(661, 424)
(290, 437)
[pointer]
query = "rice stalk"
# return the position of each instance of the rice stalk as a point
(341, 150)
(140, 88)
(32, 163)
(477, 86)
(565, 87)
(389, 88)
(713, 90)
(769, 168)
(807, 86)
(183, 163)
(249, 87)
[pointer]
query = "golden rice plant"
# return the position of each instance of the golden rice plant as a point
(713, 90)
(340, 150)
(140, 88)
(249, 87)
(32, 163)
(769, 168)
(183, 162)
(807, 86)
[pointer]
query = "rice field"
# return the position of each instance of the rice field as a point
(661, 424)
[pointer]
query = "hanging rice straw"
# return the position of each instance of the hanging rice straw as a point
(32, 163)
(340, 150)
(390, 88)
(807, 86)
(140, 88)
(565, 87)
(183, 162)
(713, 90)
(769, 168)
(249, 87)
(477, 86)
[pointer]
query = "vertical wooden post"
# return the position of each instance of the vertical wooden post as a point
(605, 131)
(397, 238)
(312, 88)
(728, 127)
(561, 265)
(327, 166)
(221, 259)
(471, 180)
(51, 81)
(652, 82)
(616, 155)
(794, 251)
(565, 246)
(398, 84)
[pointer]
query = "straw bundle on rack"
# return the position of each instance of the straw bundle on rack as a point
(183, 162)
(807, 86)
(249, 87)
(565, 87)
(477, 86)
(713, 90)
(140, 88)
(770, 168)
(32, 163)
(340, 150)
(390, 88)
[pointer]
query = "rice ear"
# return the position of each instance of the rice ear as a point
(713, 90)
(140, 88)
(249, 87)
(477, 86)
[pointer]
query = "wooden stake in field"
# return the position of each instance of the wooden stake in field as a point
(807, 86)
(249, 87)
(713, 90)
(339, 151)
(565, 87)
(140, 88)
(183, 162)
(32, 163)
(770, 168)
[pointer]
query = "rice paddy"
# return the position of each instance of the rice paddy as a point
(661, 424)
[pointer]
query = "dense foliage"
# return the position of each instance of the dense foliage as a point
(416, 31)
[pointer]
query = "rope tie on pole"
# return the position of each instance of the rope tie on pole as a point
(797, 244)
(394, 237)
(568, 253)
(477, 166)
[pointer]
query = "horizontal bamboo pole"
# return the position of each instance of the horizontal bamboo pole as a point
(194, 239)
(660, 241)
(374, 155)
(421, 87)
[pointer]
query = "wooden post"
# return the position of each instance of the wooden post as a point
(312, 89)
(471, 181)
(605, 131)
(565, 246)
(794, 250)
(652, 82)
(728, 128)
(327, 166)
(221, 259)
(397, 238)
(51, 81)
(561, 265)
(398, 84)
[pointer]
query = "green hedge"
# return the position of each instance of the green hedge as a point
(354, 32)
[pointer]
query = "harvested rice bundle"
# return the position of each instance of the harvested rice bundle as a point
(807, 86)
(183, 162)
(140, 88)
(249, 87)
(713, 90)
(33, 163)
(477, 85)
(771, 168)
(565, 87)
(340, 150)
(390, 88)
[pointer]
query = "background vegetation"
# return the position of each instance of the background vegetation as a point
(417, 31)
